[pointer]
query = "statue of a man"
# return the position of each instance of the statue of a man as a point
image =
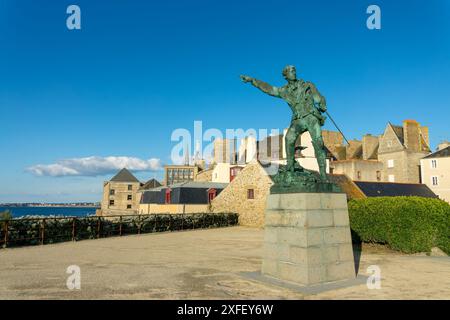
(307, 106)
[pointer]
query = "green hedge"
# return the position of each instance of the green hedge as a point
(408, 224)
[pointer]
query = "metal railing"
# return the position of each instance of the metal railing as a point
(40, 231)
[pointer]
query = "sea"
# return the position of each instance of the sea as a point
(50, 211)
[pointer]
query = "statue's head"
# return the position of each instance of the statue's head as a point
(289, 73)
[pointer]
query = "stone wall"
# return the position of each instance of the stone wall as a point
(389, 142)
(406, 166)
(359, 170)
(234, 197)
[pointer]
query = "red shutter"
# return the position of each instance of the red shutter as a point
(211, 194)
(168, 191)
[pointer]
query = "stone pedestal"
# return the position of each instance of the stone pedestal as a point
(307, 238)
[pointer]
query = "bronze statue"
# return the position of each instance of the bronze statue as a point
(307, 106)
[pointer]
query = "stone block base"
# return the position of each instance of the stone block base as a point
(307, 238)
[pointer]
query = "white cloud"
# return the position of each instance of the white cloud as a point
(94, 166)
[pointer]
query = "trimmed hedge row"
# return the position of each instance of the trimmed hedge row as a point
(408, 224)
(34, 231)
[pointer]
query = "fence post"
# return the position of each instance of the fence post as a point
(98, 227)
(182, 221)
(6, 233)
(120, 226)
(139, 224)
(73, 229)
(156, 223)
(42, 231)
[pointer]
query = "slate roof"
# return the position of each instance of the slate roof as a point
(192, 192)
(150, 184)
(440, 154)
(392, 189)
(192, 185)
(199, 184)
(124, 176)
(399, 132)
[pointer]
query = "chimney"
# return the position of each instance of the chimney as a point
(411, 135)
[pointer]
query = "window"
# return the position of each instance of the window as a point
(111, 202)
(167, 198)
(250, 194)
(390, 163)
(130, 187)
(112, 192)
(434, 164)
(129, 197)
(378, 175)
(434, 181)
(128, 206)
(358, 174)
(391, 178)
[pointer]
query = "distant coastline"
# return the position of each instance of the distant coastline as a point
(50, 205)
(49, 210)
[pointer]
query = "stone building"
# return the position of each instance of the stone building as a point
(246, 195)
(120, 194)
(435, 171)
(400, 150)
(393, 156)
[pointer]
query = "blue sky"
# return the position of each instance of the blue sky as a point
(137, 70)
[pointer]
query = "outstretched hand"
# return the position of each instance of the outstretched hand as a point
(246, 78)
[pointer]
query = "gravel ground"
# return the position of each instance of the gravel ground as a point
(200, 264)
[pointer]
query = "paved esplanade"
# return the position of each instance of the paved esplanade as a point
(200, 264)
